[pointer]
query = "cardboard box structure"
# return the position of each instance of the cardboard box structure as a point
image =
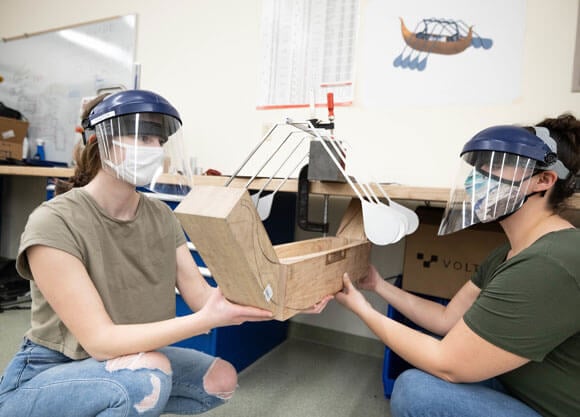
(12, 133)
(224, 226)
(440, 265)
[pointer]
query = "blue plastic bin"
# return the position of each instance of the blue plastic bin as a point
(244, 344)
(240, 345)
(393, 364)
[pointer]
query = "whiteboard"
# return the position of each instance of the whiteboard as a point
(47, 74)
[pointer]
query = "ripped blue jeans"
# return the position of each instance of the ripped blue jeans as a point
(41, 382)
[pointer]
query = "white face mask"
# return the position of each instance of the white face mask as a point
(141, 163)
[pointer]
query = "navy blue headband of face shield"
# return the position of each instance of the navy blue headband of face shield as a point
(557, 166)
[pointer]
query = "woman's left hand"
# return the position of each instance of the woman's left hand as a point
(350, 297)
(319, 306)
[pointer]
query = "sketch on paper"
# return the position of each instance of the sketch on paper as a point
(436, 36)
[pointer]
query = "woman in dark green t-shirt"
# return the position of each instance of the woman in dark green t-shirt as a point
(510, 341)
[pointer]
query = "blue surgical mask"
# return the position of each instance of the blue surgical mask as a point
(492, 198)
(476, 182)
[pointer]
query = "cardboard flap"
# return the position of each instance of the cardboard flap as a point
(351, 225)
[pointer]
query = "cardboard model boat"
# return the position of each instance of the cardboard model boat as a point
(224, 226)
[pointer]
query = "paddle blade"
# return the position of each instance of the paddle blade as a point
(255, 199)
(422, 64)
(264, 206)
(398, 61)
(411, 217)
(381, 226)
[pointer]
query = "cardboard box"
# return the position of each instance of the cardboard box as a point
(12, 133)
(224, 226)
(440, 265)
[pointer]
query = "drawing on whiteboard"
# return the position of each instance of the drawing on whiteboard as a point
(47, 75)
(436, 36)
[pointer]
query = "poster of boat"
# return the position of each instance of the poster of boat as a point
(436, 36)
(425, 52)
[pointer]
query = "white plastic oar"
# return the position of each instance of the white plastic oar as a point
(251, 154)
(410, 215)
(396, 211)
(256, 196)
(268, 160)
(381, 226)
(264, 204)
(390, 227)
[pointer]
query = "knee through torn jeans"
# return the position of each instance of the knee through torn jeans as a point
(42, 382)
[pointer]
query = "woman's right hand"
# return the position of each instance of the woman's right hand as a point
(221, 312)
(370, 281)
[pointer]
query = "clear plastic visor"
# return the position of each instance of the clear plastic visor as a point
(488, 186)
(146, 150)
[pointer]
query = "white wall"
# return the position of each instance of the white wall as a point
(203, 55)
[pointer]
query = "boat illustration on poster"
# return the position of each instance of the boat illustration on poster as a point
(436, 36)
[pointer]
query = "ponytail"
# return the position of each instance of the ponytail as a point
(86, 157)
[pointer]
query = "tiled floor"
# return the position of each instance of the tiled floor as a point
(298, 378)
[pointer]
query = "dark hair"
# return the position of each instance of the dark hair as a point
(565, 129)
(87, 158)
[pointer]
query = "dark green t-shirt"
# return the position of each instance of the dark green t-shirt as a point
(530, 305)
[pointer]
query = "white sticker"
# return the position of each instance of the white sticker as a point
(107, 115)
(268, 293)
(8, 134)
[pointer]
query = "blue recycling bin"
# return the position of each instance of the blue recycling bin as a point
(393, 364)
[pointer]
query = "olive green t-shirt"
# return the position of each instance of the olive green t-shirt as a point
(131, 263)
(530, 305)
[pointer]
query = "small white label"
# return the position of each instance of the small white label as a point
(105, 116)
(8, 134)
(268, 293)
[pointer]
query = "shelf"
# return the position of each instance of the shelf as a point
(31, 171)
(394, 191)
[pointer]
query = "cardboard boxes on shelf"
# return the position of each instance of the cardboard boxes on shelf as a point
(12, 133)
(440, 265)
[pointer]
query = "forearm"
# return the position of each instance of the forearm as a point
(419, 349)
(112, 340)
(460, 356)
(192, 286)
(425, 313)
(196, 296)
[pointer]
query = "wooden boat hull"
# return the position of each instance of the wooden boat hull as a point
(225, 228)
(435, 46)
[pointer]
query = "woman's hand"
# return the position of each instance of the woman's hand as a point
(370, 281)
(319, 306)
(221, 312)
(351, 298)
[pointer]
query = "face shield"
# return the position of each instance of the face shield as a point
(145, 150)
(488, 186)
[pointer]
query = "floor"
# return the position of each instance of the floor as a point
(297, 378)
